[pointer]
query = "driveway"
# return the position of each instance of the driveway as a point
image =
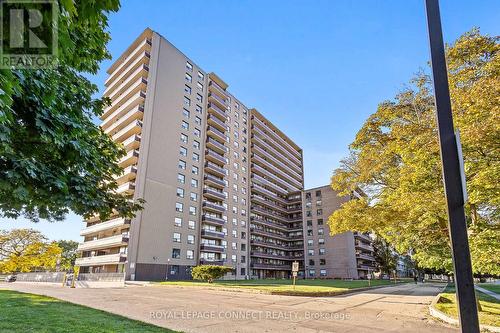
(401, 308)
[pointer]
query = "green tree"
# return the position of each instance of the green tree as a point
(395, 160)
(26, 250)
(68, 254)
(385, 257)
(209, 273)
(53, 158)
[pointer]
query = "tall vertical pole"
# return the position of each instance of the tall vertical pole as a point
(457, 227)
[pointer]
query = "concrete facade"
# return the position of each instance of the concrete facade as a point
(348, 255)
(221, 183)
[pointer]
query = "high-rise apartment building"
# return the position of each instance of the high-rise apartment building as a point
(346, 255)
(222, 184)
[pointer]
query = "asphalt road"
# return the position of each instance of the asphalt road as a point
(401, 308)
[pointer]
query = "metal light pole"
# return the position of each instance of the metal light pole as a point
(452, 176)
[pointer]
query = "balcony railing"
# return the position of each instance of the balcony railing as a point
(132, 142)
(128, 174)
(122, 106)
(264, 182)
(140, 72)
(212, 248)
(212, 262)
(212, 234)
(142, 50)
(210, 192)
(134, 127)
(130, 158)
(135, 113)
(270, 153)
(291, 150)
(284, 184)
(269, 234)
(215, 181)
(216, 145)
(215, 87)
(271, 266)
(111, 224)
(273, 224)
(364, 246)
(216, 156)
(215, 169)
(271, 255)
(214, 132)
(103, 243)
(108, 259)
(142, 60)
(213, 206)
(268, 203)
(269, 213)
(216, 122)
(127, 188)
(214, 109)
(264, 163)
(215, 98)
(213, 220)
(365, 256)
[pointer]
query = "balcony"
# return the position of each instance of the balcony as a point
(268, 213)
(215, 169)
(270, 245)
(132, 143)
(139, 62)
(217, 146)
(128, 174)
(103, 243)
(259, 147)
(268, 203)
(215, 181)
(261, 232)
(216, 134)
(271, 266)
(212, 234)
(365, 256)
(130, 158)
(264, 182)
(211, 262)
(136, 88)
(282, 142)
(142, 50)
(280, 182)
(362, 237)
(364, 246)
(215, 157)
(126, 189)
(271, 224)
(270, 255)
(212, 248)
(220, 102)
(216, 122)
(217, 111)
(213, 193)
(135, 113)
(212, 206)
(120, 223)
(214, 87)
(140, 74)
(117, 109)
(108, 259)
(276, 170)
(213, 220)
(366, 267)
(133, 128)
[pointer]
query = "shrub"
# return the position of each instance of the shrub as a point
(210, 273)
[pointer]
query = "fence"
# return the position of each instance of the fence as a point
(101, 277)
(50, 277)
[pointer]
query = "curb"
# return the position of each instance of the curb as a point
(447, 319)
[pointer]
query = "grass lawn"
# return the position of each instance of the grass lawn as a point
(490, 314)
(284, 287)
(20, 312)
(491, 287)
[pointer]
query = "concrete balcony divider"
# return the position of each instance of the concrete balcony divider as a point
(111, 224)
(103, 243)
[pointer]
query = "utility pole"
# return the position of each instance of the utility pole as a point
(452, 176)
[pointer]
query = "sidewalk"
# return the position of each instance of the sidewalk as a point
(488, 292)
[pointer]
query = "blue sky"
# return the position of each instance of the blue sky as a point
(317, 69)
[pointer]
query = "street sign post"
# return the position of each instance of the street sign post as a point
(452, 176)
(295, 269)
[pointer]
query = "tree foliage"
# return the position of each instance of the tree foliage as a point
(68, 253)
(26, 250)
(385, 257)
(395, 160)
(210, 273)
(53, 158)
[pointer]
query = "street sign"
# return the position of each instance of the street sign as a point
(295, 266)
(294, 274)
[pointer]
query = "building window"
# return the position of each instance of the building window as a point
(180, 192)
(178, 222)
(193, 196)
(319, 212)
(187, 101)
(188, 78)
(190, 239)
(178, 206)
(200, 76)
(321, 241)
(310, 252)
(243, 235)
(197, 120)
(177, 237)
(196, 157)
(185, 113)
(199, 109)
(192, 210)
(195, 170)
(199, 98)
(309, 223)
(322, 272)
(312, 272)
(183, 151)
(311, 262)
(191, 224)
(199, 85)
(182, 165)
(310, 242)
(309, 213)
(197, 133)
(242, 271)
(321, 231)
(189, 67)
(189, 254)
(235, 235)
(322, 251)
(320, 221)
(318, 193)
(243, 259)
(233, 258)
(185, 125)
(194, 183)
(184, 138)
(187, 89)
(181, 178)
(310, 233)
(322, 262)
(176, 253)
